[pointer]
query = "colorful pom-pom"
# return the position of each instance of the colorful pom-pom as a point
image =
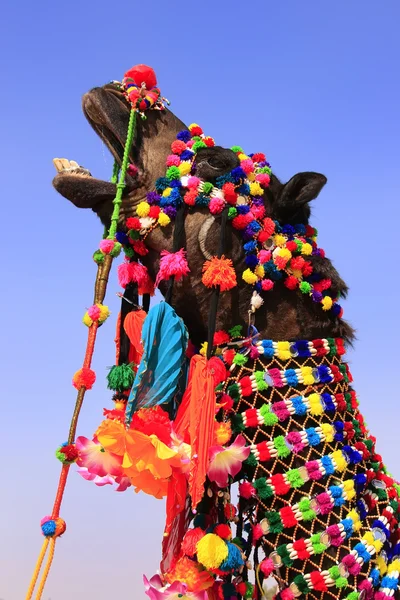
(52, 527)
(67, 453)
(84, 378)
(219, 272)
(211, 551)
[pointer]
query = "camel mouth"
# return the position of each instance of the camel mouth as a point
(107, 112)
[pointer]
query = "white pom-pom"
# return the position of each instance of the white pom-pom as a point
(256, 301)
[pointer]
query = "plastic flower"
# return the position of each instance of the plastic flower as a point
(227, 461)
(176, 591)
(93, 457)
(122, 482)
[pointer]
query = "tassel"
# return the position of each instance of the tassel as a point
(172, 264)
(219, 272)
(132, 272)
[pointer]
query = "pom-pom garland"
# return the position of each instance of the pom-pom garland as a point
(52, 527)
(97, 313)
(67, 453)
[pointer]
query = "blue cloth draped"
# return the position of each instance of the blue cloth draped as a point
(165, 340)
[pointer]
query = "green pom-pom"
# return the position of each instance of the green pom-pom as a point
(284, 554)
(265, 170)
(269, 417)
(234, 391)
(237, 423)
(316, 543)
(263, 488)
(260, 381)
(294, 478)
(207, 187)
(301, 584)
(369, 444)
(116, 251)
(306, 511)
(237, 149)
(341, 582)
(235, 331)
(240, 359)
(120, 378)
(251, 460)
(305, 287)
(280, 446)
(353, 596)
(238, 542)
(98, 257)
(249, 590)
(173, 173)
(134, 234)
(129, 252)
(382, 494)
(232, 212)
(334, 572)
(274, 521)
(197, 145)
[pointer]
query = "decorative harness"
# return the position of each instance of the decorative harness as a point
(280, 417)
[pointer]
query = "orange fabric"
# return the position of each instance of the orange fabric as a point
(176, 521)
(133, 324)
(117, 339)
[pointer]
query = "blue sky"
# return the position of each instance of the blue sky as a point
(315, 86)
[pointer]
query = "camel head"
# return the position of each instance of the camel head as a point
(285, 314)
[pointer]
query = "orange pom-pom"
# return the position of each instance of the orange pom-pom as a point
(219, 271)
(223, 433)
(84, 378)
(191, 573)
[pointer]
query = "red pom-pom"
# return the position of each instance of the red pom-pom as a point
(70, 452)
(140, 247)
(258, 211)
(258, 157)
(241, 221)
(192, 537)
(263, 237)
(228, 356)
(291, 282)
(246, 490)
(195, 130)
(209, 141)
(226, 402)
(84, 378)
(267, 566)
(142, 74)
(297, 263)
(318, 582)
(307, 269)
(133, 223)
(221, 337)
(190, 197)
(310, 231)
(154, 212)
(223, 531)
(291, 245)
(241, 588)
(219, 272)
(178, 146)
(230, 511)
(257, 533)
(229, 193)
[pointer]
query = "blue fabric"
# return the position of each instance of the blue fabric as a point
(165, 339)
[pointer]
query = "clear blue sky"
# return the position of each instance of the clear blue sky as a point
(313, 84)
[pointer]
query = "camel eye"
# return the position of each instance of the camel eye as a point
(215, 162)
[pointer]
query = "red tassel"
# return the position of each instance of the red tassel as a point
(172, 263)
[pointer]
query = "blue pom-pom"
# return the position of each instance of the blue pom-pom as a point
(121, 237)
(244, 189)
(162, 183)
(300, 229)
(348, 526)
(336, 309)
(288, 230)
(202, 200)
(250, 246)
(251, 260)
(176, 183)
(328, 402)
(375, 576)
(254, 226)
(301, 346)
(312, 436)
(258, 286)
(389, 582)
(234, 559)
(224, 179)
(49, 528)
(361, 509)
(238, 174)
(363, 552)
(299, 406)
(242, 209)
(153, 198)
(327, 463)
(187, 155)
(184, 135)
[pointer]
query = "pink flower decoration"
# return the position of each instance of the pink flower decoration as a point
(100, 481)
(106, 246)
(173, 160)
(176, 591)
(97, 461)
(227, 461)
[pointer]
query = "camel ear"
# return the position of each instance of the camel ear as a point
(301, 189)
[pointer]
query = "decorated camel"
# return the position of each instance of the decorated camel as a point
(237, 377)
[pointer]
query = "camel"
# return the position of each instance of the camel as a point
(317, 511)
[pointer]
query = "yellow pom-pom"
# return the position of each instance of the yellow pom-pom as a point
(283, 350)
(339, 459)
(211, 551)
(308, 377)
(279, 240)
(349, 491)
(167, 192)
(249, 277)
(256, 189)
(381, 564)
(354, 516)
(394, 566)
(104, 312)
(163, 219)
(243, 156)
(297, 273)
(251, 176)
(316, 407)
(184, 168)
(285, 253)
(143, 209)
(259, 271)
(203, 349)
(326, 303)
(223, 432)
(328, 431)
(87, 320)
(306, 249)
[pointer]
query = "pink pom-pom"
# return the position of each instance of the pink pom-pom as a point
(124, 274)
(172, 263)
(254, 352)
(193, 182)
(94, 312)
(366, 585)
(258, 211)
(267, 566)
(247, 165)
(131, 272)
(257, 533)
(264, 256)
(190, 143)
(216, 206)
(263, 179)
(287, 594)
(132, 170)
(173, 160)
(246, 490)
(267, 285)
(106, 246)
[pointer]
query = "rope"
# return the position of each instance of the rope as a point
(100, 287)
